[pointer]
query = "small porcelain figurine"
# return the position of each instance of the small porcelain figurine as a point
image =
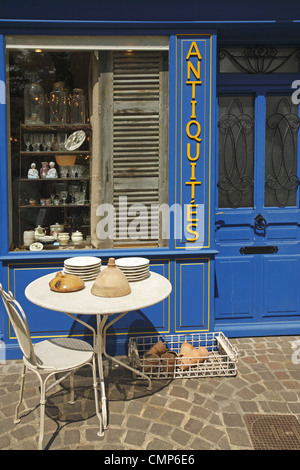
(32, 172)
(52, 173)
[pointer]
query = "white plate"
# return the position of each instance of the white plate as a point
(132, 262)
(83, 269)
(88, 272)
(75, 140)
(134, 270)
(82, 261)
(47, 239)
(84, 277)
(137, 278)
(36, 246)
(88, 278)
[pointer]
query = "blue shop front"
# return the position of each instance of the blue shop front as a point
(176, 140)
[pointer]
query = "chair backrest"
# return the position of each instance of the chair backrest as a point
(19, 323)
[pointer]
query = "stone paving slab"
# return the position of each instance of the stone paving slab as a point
(181, 414)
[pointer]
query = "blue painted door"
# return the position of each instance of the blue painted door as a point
(257, 274)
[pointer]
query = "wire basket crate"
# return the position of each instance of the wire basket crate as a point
(161, 356)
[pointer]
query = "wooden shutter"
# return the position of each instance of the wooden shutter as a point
(135, 131)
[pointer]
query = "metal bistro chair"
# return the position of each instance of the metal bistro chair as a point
(49, 357)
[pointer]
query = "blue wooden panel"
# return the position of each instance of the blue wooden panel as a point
(234, 234)
(192, 286)
(234, 288)
(281, 286)
(283, 233)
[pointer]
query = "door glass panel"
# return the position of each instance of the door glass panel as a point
(282, 125)
(236, 151)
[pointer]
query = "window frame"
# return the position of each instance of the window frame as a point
(74, 43)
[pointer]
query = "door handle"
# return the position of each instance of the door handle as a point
(260, 222)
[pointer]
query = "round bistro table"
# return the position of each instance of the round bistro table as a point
(143, 294)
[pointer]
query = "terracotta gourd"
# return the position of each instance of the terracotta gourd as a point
(193, 357)
(66, 283)
(158, 348)
(185, 349)
(168, 360)
(111, 282)
(151, 362)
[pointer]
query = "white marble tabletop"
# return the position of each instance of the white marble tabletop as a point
(143, 294)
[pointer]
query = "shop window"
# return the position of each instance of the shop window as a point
(88, 146)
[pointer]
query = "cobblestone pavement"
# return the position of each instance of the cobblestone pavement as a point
(182, 414)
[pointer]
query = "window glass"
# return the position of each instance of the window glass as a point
(282, 126)
(84, 135)
(236, 151)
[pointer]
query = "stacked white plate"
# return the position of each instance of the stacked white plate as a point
(86, 267)
(135, 269)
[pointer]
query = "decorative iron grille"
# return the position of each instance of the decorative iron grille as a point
(260, 59)
(235, 155)
(281, 180)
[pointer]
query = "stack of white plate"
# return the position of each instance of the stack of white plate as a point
(135, 269)
(86, 267)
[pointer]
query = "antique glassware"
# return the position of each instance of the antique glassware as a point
(63, 195)
(78, 107)
(34, 103)
(27, 140)
(58, 104)
(61, 140)
(48, 139)
(37, 141)
(44, 144)
(72, 171)
(64, 170)
(80, 198)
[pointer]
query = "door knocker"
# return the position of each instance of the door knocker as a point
(260, 223)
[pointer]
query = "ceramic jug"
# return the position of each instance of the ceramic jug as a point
(39, 232)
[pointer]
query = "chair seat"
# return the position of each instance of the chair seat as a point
(62, 353)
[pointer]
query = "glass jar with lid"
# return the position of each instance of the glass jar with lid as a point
(34, 103)
(58, 104)
(78, 107)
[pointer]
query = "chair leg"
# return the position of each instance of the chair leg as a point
(42, 411)
(17, 419)
(100, 433)
(72, 397)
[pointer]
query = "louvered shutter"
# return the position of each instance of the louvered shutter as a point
(135, 135)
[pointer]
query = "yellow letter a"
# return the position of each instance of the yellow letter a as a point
(195, 52)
